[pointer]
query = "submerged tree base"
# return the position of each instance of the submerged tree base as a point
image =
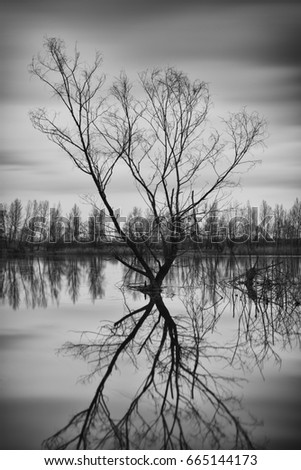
(150, 289)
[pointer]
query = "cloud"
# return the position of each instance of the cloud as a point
(275, 176)
(277, 180)
(245, 32)
(17, 159)
(13, 341)
(247, 50)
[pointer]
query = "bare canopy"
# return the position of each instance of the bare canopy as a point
(160, 134)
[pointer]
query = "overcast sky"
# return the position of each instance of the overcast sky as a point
(248, 52)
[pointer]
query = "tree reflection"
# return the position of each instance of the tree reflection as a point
(40, 281)
(188, 394)
(96, 278)
(178, 402)
(267, 309)
(185, 359)
(73, 276)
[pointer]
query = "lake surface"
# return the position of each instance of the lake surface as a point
(212, 363)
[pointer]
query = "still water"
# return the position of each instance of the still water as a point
(88, 360)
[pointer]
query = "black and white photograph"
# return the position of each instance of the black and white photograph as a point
(150, 226)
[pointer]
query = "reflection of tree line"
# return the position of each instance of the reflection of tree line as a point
(38, 281)
(212, 271)
(188, 394)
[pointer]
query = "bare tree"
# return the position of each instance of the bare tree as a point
(14, 220)
(96, 225)
(294, 216)
(37, 216)
(74, 221)
(163, 139)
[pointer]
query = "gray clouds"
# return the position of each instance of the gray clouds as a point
(246, 50)
(16, 159)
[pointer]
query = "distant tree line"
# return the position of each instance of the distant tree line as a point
(36, 223)
(35, 226)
